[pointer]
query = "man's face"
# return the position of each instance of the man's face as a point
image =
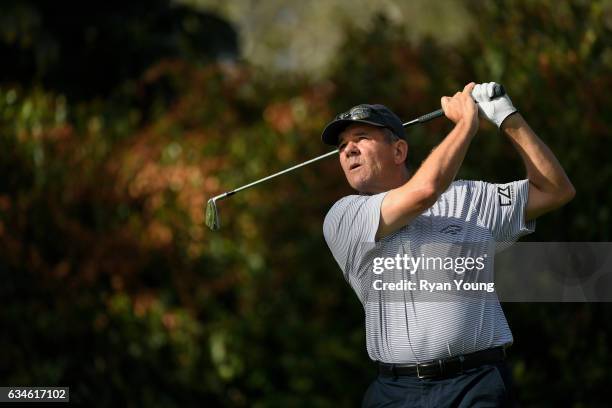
(366, 157)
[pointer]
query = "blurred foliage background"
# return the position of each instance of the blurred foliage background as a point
(119, 120)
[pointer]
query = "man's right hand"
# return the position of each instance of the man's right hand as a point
(461, 107)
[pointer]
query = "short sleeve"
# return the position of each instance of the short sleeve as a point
(501, 209)
(350, 223)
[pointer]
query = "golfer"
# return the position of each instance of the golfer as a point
(434, 354)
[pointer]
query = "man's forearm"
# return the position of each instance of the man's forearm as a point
(543, 169)
(434, 176)
(440, 168)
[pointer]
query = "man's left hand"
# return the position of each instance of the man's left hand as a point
(495, 110)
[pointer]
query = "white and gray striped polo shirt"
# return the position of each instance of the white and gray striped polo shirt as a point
(410, 331)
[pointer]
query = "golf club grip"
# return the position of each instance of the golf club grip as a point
(498, 90)
(431, 115)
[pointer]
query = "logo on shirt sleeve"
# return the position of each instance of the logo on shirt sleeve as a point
(505, 195)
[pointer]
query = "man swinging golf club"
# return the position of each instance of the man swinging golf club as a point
(434, 353)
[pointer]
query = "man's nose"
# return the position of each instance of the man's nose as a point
(351, 149)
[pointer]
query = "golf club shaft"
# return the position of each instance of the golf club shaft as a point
(498, 91)
(420, 119)
(297, 166)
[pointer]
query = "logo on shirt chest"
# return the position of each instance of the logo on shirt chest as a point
(452, 229)
(504, 195)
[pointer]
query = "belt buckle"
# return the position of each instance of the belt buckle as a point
(442, 368)
(419, 376)
(423, 376)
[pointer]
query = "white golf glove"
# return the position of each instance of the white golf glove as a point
(496, 110)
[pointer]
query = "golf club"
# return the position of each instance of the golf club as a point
(212, 215)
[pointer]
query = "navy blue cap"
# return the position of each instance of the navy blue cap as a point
(375, 115)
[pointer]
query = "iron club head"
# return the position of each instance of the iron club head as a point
(212, 215)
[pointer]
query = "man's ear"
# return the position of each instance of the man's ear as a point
(401, 151)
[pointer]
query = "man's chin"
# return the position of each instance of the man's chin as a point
(359, 185)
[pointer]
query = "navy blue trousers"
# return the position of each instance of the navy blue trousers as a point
(485, 386)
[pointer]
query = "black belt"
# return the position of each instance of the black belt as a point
(444, 367)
